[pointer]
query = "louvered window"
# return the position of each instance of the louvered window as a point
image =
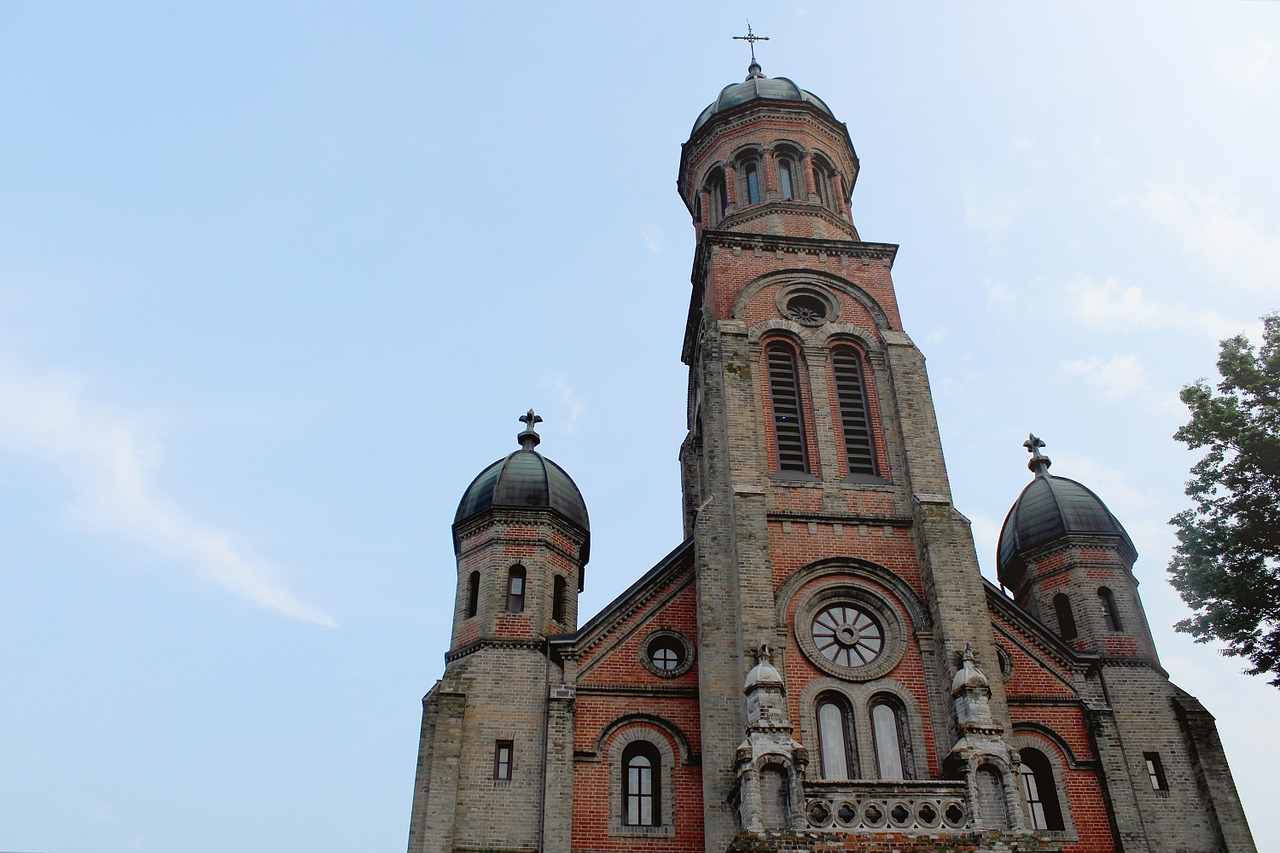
(854, 423)
(784, 394)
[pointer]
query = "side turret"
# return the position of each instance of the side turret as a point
(1069, 562)
(522, 538)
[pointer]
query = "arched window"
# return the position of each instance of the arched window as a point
(751, 180)
(559, 594)
(822, 181)
(834, 741)
(786, 184)
(846, 366)
(784, 397)
(473, 594)
(1110, 614)
(515, 590)
(1066, 619)
(887, 729)
(1040, 790)
(719, 195)
(641, 785)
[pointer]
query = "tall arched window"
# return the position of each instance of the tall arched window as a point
(1110, 614)
(834, 737)
(473, 594)
(851, 394)
(641, 785)
(786, 183)
(784, 397)
(719, 194)
(822, 181)
(1066, 619)
(559, 595)
(1040, 790)
(751, 179)
(515, 589)
(888, 731)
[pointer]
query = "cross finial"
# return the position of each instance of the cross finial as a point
(1039, 463)
(529, 438)
(751, 38)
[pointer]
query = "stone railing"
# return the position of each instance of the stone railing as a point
(909, 806)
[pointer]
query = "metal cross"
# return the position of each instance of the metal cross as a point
(1033, 445)
(530, 419)
(751, 39)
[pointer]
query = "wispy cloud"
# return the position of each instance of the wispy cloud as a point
(1124, 377)
(569, 398)
(1109, 306)
(1242, 253)
(652, 236)
(108, 465)
(990, 210)
(1253, 67)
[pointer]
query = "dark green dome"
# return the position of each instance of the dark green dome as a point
(525, 480)
(758, 86)
(1047, 508)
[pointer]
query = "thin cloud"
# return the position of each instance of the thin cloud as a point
(652, 236)
(569, 398)
(1124, 377)
(1254, 68)
(1109, 306)
(108, 466)
(1242, 253)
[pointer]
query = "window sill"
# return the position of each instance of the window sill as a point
(618, 830)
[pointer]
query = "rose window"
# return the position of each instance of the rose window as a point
(846, 635)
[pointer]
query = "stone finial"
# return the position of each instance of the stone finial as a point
(529, 438)
(1039, 463)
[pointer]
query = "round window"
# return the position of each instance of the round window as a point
(850, 632)
(846, 635)
(806, 309)
(667, 653)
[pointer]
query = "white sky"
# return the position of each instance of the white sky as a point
(276, 280)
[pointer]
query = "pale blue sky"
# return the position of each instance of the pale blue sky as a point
(276, 280)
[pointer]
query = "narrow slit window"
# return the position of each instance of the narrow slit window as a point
(1110, 615)
(559, 594)
(473, 594)
(788, 422)
(753, 183)
(818, 179)
(1066, 619)
(851, 394)
(1155, 771)
(502, 759)
(784, 179)
(515, 589)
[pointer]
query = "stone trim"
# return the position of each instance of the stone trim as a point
(621, 734)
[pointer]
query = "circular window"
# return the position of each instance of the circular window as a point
(846, 635)
(806, 304)
(667, 653)
(806, 309)
(849, 632)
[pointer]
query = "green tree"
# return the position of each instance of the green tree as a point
(1226, 565)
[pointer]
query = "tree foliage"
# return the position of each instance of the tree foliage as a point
(1226, 565)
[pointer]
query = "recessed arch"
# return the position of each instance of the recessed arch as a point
(798, 275)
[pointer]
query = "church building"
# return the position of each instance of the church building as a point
(819, 665)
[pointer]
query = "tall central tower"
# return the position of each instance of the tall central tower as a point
(814, 484)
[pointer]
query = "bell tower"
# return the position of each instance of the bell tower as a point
(814, 485)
